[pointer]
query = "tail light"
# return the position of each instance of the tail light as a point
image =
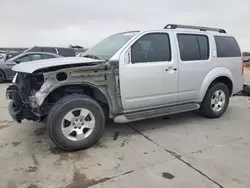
(242, 67)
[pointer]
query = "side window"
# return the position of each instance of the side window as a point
(49, 50)
(35, 49)
(35, 57)
(227, 47)
(204, 47)
(47, 56)
(23, 59)
(67, 52)
(193, 47)
(153, 47)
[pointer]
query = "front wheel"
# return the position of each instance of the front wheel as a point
(216, 101)
(75, 122)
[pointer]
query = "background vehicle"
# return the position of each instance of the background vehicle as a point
(5, 67)
(246, 56)
(65, 52)
(10, 55)
(128, 77)
(1, 58)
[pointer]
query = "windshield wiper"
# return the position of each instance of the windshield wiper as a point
(91, 56)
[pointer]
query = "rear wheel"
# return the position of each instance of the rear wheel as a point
(216, 101)
(75, 122)
(2, 76)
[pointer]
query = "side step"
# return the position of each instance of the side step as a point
(136, 116)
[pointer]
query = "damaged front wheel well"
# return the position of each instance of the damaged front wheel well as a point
(85, 89)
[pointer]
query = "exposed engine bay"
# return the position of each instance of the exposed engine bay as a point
(22, 95)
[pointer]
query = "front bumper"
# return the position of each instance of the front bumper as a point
(18, 109)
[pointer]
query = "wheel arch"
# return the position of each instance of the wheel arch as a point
(98, 93)
(220, 74)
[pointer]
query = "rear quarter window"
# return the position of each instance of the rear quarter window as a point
(227, 46)
(67, 52)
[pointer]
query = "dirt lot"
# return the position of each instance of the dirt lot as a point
(183, 150)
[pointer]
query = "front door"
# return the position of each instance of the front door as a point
(148, 72)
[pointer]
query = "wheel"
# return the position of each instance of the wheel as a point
(216, 101)
(75, 122)
(2, 76)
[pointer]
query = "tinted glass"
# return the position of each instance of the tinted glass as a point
(204, 47)
(189, 47)
(49, 50)
(34, 49)
(151, 48)
(66, 52)
(227, 47)
(47, 56)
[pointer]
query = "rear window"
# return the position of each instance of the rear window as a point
(227, 47)
(67, 52)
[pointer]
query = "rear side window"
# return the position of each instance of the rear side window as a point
(66, 52)
(227, 46)
(48, 50)
(193, 47)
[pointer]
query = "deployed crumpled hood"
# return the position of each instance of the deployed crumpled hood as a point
(31, 66)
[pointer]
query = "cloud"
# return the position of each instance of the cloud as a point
(82, 22)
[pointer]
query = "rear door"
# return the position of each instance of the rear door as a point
(195, 63)
(150, 77)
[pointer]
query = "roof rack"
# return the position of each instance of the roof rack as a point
(174, 26)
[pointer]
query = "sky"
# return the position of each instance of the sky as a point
(85, 22)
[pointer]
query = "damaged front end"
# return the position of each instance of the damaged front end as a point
(34, 93)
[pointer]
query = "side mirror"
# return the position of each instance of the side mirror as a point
(18, 61)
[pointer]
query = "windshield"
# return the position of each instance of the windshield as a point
(109, 46)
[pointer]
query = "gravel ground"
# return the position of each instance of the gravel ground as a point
(184, 150)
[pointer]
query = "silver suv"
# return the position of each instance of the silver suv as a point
(127, 77)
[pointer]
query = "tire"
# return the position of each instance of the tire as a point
(56, 122)
(210, 101)
(2, 76)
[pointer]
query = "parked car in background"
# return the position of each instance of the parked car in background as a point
(65, 52)
(2, 58)
(128, 77)
(5, 67)
(10, 55)
(246, 56)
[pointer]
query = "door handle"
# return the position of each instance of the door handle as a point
(171, 68)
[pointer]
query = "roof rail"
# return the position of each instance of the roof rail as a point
(174, 26)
